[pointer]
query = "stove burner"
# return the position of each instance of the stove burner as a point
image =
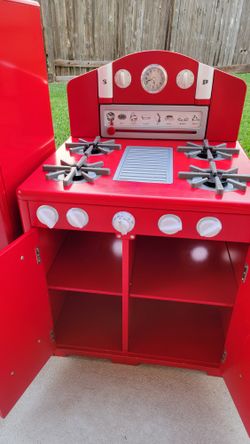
(219, 180)
(211, 182)
(92, 148)
(208, 152)
(76, 172)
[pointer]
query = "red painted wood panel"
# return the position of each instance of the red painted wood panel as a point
(184, 332)
(90, 321)
(147, 219)
(183, 270)
(25, 320)
(5, 224)
(83, 105)
(26, 129)
(227, 100)
(127, 260)
(172, 62)
(90, 262)
(236, 370)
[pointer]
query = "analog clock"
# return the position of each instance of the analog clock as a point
(154, 78)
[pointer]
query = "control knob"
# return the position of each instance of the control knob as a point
(209, 226)
(47, 215)
(185, 79)
(77, 217)
(122, 78)
(169, 224)
(111, 130)
(123, 222)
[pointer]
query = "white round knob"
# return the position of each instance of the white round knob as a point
(122, 78)
(47, 215)
(77, 217)
(185, 79)
(209, 226)
(169, 224)
(123, 222)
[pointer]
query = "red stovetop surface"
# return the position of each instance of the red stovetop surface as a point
(106, 191)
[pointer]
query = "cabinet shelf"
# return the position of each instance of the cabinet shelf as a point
(180, 302)
(183, 270)
(88, 262)
(89, 321)
(188, 333)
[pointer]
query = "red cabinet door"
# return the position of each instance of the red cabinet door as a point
(236, 369)
(25, 319)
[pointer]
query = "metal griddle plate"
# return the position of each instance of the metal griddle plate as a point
(149, 164)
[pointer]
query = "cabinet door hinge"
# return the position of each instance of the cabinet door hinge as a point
(38, 255)
(224, 356)
(244, 274)
(52, 335)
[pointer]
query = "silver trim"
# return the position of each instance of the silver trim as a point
(147, 164)
(164, 74)
(198, 134)
(204, 82)
(105, 81)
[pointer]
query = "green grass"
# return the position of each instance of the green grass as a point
(61, 120)
(59, 105)
(244, 135)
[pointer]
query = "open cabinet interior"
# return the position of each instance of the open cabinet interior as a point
(182, 332)
(167, 299)
(87, 320)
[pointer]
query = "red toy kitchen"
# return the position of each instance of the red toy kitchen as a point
(135, 233)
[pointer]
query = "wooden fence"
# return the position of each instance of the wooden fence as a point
(82, 34)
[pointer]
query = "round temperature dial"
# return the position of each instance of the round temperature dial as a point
(154, 78)
(185, 79)
(122, 78)
(123, 221)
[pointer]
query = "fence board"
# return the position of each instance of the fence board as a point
(206, 30)
(142, 25)
(242, 47)
(48, 36)
(215, 32)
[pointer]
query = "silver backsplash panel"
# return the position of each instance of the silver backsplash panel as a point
(154, 121)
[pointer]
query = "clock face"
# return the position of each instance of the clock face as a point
(154, 78)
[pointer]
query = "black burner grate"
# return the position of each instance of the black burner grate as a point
(82, 170)
(93, 147)
(215, 178)
(79, 171)
(208, 152)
